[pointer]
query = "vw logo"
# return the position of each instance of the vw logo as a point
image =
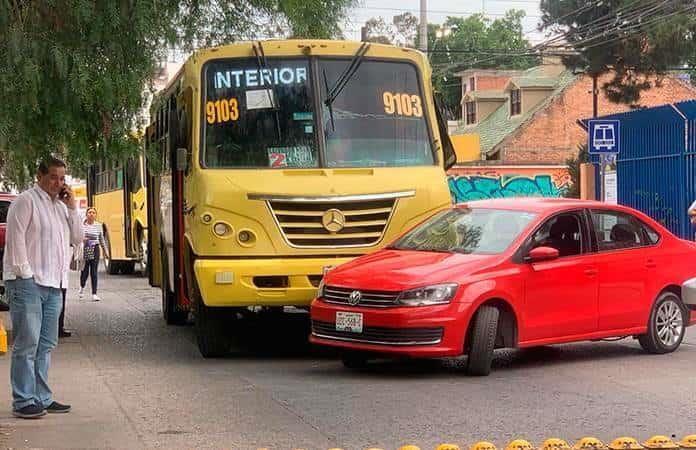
(354, 298)
(333, 220)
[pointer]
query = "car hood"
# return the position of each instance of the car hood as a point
(397, 270)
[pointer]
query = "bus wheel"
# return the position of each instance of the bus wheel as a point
(127, 267)
(213, 328)
(112, 267)
(171, 314)
(142, 254)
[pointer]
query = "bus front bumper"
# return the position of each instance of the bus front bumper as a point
(261, 282)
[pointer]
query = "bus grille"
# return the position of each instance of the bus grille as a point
(334, 222)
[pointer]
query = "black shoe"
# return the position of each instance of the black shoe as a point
(57, 408)
(64, 333)
(29, 412)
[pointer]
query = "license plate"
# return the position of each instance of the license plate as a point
(348, 321)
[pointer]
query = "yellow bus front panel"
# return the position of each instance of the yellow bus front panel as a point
(261, 282)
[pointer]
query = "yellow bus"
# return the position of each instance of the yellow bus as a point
(117, 190)
(278, 160)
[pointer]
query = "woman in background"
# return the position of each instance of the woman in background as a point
(94, 238)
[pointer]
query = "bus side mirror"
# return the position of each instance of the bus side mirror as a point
(181, 158)
(450, 157)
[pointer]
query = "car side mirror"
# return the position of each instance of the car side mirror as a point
(541, 254)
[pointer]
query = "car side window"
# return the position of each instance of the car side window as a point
(616, 230)
(562, 232)
(652, 236)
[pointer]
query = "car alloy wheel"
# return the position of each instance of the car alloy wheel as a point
(670, 324)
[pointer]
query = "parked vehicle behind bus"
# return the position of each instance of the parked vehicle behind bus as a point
(274, 161)
(117, 190)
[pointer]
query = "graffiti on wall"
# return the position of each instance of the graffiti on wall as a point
(477, 183)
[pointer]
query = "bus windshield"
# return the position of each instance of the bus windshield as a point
(262, 115)
(378, 119)
(259, 116)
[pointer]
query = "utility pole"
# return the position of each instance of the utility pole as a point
(423, 26)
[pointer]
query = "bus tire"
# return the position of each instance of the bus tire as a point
(112, 267)
(127, 267)
(212, 326)
(143, 256)
(172, 316)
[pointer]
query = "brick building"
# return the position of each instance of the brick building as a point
(531, 116)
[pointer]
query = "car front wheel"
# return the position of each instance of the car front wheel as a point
(483, 334)
(666, 325)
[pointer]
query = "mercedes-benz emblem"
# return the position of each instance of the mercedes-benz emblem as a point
(354, 298)
(333, 220)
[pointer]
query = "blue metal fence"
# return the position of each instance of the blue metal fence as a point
(656, 167)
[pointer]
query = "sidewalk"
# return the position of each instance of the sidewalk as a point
(96, 416)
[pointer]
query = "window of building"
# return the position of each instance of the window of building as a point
(515, 102)
(470, 110)
(472, 84)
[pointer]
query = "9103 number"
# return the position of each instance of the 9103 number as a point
(221, 111)
(402, 104)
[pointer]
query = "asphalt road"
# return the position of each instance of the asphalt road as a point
(136, 383)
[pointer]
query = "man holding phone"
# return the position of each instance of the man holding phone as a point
(42, 223)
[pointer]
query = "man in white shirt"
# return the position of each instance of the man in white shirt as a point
(42, 222)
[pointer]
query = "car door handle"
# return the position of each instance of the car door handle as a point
(591, 271)
(650, 264)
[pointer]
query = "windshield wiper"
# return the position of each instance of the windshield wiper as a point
(261, 63)
(342, 81)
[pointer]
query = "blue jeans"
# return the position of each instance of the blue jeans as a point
(34, 311)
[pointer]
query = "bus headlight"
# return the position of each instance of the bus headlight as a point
(221, 229)
(438, 294)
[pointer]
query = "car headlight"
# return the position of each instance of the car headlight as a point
(438, 294)
(320, 291)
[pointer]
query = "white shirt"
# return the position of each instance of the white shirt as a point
(39, 233)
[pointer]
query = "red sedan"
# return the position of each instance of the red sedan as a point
(510, 273)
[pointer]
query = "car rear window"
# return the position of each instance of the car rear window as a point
(4, 206)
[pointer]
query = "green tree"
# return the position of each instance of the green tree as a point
(475, 42)
(402, 30)
(73, 72)
(573, 164)
(632, 39)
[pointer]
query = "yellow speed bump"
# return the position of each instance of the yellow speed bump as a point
(660, 442)
(405, 447)
(519, 444)
(625, 443)
(483, 445)
(554, 444)
(448, 447)
(589, 443)
(688, 441)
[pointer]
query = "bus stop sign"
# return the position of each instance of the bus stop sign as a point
(604, 136)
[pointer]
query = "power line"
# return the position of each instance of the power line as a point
(441, 11)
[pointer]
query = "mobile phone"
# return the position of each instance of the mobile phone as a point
(63, 193)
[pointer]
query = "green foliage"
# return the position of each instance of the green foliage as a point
(73, 72)
(633, 39)
(475, 42)
(573, 164)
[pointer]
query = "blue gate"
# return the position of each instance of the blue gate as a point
(656, 167)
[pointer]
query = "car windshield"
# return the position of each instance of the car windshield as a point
(467, 230)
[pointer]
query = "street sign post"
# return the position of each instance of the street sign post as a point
(604, 139)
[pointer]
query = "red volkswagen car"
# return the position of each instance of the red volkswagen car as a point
(510, 273)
